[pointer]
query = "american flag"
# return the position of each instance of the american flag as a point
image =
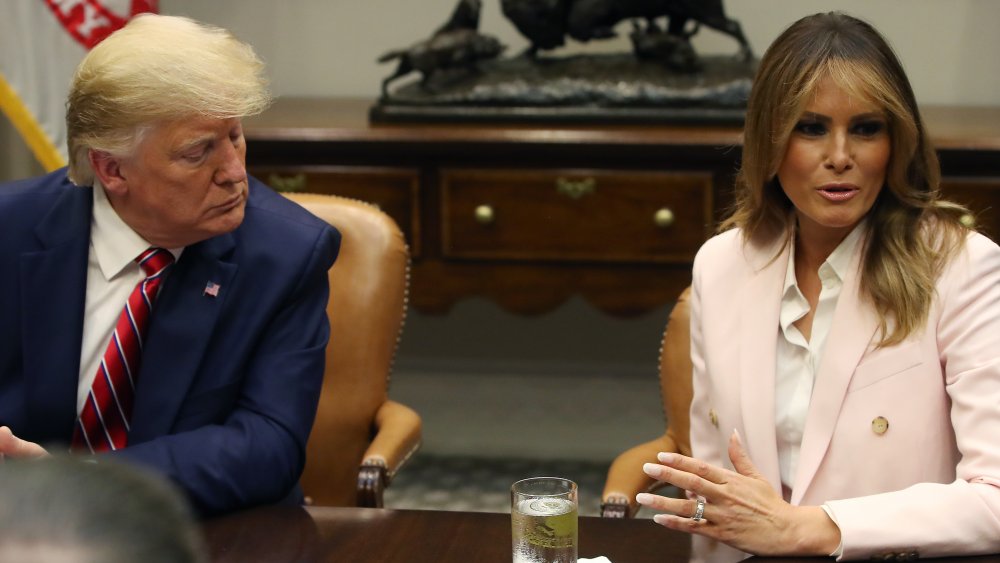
(212, 289)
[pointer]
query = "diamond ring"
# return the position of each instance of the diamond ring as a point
(699, 511)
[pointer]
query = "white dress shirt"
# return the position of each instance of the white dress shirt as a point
(799, 359)
(112, 274)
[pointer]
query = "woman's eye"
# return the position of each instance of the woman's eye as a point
(869, 128)
(810, 128)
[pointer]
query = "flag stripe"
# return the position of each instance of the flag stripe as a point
(87, 21)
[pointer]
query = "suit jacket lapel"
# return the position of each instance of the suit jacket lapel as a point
(854, 325)
(180, 329)
(761, 302)
(54, 285)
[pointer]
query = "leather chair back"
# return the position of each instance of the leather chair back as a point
(675, 375)
(625, 476)
(368, 286)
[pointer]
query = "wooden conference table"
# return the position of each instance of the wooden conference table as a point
(320, 534)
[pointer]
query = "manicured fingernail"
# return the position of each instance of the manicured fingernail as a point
(666, 457)
(660, 519)
(651, 469)
(644, 498)
(736, 434)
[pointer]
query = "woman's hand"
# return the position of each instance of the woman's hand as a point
(741, 508)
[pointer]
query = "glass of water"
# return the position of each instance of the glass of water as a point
(543, 513)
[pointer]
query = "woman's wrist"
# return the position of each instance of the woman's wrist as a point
(815, 533)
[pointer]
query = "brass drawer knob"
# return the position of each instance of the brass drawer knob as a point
(967, 220)
(484, 214)
(575, 189)
(296, 183)
(664, 217)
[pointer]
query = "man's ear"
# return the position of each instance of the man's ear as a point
(108, 170)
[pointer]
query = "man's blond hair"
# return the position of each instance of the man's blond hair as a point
(157, 69)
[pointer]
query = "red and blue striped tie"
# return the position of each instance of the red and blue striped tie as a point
(103, 423)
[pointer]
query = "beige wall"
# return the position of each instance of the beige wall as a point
(950, 48)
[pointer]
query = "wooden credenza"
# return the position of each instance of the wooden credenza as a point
(529, 215)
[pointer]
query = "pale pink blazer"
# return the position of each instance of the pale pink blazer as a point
(930, 484)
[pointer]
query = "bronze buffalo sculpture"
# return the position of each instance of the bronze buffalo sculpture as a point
(455, 45)
(546, 23)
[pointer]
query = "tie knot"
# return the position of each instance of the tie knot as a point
(154, 260)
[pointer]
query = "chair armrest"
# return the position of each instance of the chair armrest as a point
(397, 437)
(371, 485)
(626, 478)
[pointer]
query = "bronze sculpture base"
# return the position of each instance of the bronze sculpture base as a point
(575, 89)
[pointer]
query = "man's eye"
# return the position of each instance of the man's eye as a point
(197, 153)
(810, 128)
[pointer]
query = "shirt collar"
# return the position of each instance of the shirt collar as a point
(790, 282)
(838, 262)
(793, 304)
(115, 244)
(840, 259)
(836, 265)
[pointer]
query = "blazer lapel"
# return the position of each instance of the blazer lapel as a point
(181, 326)
(854, 325)
(761, 303)
(54, 285)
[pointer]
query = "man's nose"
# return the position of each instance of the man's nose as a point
(232, 169)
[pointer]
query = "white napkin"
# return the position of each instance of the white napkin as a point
(601, 559)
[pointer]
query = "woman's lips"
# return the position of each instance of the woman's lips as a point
(838, 192)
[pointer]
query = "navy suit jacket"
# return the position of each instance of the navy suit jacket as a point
(228, 385)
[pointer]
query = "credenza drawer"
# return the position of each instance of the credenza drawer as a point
(393, 190)
(574, 215)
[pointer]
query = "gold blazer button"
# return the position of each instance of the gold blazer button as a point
(713, 417)
(879, 425)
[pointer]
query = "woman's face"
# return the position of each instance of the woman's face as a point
(835, 162)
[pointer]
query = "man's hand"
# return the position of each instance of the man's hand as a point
(741, 508)
(13, 447)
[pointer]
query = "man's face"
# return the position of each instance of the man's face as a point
(187, 181)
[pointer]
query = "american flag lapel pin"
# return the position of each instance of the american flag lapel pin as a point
(211, 289)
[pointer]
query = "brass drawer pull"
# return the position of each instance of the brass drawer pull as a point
(484, 214)
(575, 189)
(296, 183)
(967, 220)
(663, 217)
